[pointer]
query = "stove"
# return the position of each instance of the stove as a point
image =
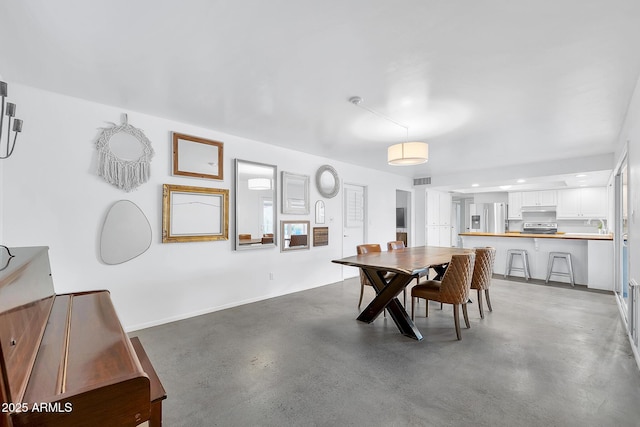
(540, 227)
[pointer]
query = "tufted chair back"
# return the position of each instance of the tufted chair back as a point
(457, 280)
(483, 268)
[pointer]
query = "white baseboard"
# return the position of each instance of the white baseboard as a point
(137, 327)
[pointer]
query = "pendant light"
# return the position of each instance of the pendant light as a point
(402, 154)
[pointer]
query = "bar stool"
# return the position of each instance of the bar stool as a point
(567, 258)
(525, 263)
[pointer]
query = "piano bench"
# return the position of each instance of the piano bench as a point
(158, 393)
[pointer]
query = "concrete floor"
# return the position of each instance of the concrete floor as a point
(546, 356)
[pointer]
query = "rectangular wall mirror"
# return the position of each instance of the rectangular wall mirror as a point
(255, 205)
(197, 157)
(294, 235)
(295, 193)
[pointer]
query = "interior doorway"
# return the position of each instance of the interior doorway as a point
(403, 217)
(622, 245)
(354, 222)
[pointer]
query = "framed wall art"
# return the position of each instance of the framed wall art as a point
(320, 236)
(194, 214)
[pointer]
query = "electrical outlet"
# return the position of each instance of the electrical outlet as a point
(270, 276)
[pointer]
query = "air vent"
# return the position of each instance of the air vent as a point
(422, 181)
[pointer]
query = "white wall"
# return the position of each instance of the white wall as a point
(51, 196)
(420, 215)
(496, 197)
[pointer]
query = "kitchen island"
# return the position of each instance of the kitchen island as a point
(592, 254)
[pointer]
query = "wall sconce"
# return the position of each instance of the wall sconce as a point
(17, 123)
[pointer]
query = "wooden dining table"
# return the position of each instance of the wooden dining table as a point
(406, 264)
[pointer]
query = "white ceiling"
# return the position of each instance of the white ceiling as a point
(488, 84)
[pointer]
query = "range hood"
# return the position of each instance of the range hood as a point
(538, 209)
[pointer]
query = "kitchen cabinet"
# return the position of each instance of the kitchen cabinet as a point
(438, 219)
(514, 209)
(600, 265)
(444, 236)
(582, 203)
(540, 198)
(438, 208)
(438, 235)
(433, 208)
(593, 202)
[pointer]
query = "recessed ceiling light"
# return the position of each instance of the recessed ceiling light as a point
(520, 181)
(475, 185)
(581, 175)
(505, 187)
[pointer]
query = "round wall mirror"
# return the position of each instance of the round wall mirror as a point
(327, 181)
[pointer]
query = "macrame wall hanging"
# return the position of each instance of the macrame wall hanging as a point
(124, 155)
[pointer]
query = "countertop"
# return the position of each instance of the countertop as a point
(570, 236)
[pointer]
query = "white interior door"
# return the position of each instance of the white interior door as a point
(354, 207)
(622, 248)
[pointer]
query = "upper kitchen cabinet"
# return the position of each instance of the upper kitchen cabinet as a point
(581, 203)
(438, 208)
(515, 205)
(540, 198)
(438, 222)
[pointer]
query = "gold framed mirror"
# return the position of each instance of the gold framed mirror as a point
(194, 214)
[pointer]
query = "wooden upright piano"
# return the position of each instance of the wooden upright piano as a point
(65, 359)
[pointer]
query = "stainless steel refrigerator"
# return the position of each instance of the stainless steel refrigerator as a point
(488, 217)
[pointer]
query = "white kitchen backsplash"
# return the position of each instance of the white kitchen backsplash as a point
(567, 226)
(539, 216)
(579, 226)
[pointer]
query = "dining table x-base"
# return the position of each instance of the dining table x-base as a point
(404, 265)
(386, 297)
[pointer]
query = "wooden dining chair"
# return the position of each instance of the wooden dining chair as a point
(396, 244)
(453, 289)
(482, 272)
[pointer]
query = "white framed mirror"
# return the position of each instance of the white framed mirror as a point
(295, 193)
(294, 235)
(255, 188)
(327, 181)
